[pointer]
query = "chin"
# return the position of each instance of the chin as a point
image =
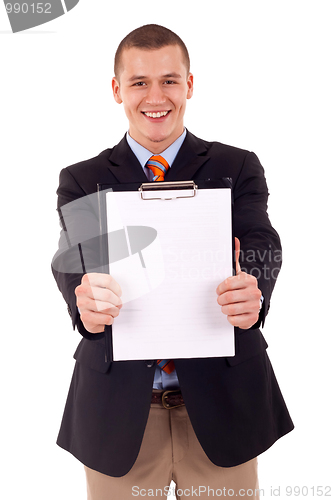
(157, 138)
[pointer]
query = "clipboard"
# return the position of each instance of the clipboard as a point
(147, 193)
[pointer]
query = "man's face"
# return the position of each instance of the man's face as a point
(153, 86)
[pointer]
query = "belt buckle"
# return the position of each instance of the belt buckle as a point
(167, 405)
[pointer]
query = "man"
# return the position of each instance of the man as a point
(221, 412)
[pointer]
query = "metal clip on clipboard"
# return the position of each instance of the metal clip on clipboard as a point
(161, 186)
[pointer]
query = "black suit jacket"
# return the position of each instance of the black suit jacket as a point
(234, 403)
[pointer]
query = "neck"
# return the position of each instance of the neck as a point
(156, 147)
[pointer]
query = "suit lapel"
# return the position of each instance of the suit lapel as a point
(191, 156)
(125, 166)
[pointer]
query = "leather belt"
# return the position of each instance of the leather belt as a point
(169, 399)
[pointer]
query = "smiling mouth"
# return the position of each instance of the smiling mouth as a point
(158, 114)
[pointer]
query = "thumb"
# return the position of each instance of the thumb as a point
(237, 252)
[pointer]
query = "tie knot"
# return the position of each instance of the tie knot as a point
(159, 166)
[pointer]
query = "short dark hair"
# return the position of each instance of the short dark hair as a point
(150, 37)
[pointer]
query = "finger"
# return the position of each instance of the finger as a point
(90, 304)
(95, 320)
(97, 293)
(103, 281)
(113, 311)
(86, 301)
(104, 295)
(241, 280)
(237, 253)
(105, 307)
(243, 321)
(241, 295)
(230, 297)
(239, 308)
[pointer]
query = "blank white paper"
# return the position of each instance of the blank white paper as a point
(170, 307)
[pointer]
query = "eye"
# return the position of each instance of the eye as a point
(139, 84)
(169, 82)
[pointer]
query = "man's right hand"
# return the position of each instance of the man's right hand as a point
(98, 300)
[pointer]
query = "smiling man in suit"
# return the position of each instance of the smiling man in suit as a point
(206, 433)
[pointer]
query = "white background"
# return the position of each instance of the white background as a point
(263, 81)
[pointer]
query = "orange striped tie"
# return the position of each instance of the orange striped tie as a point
(159, 166)
(167, 365)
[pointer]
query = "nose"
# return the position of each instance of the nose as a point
(155, 94)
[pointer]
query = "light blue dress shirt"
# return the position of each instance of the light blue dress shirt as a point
(162, 380)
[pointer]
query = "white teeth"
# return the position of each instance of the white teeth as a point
(157, 115)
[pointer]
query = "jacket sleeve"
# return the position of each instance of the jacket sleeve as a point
(260, 247)
(79, 241)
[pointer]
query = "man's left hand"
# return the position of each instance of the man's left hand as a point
(240, 296)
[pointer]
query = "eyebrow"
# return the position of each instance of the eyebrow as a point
(135, 77)
(172, 75)
(142, 77)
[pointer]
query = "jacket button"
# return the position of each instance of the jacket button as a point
(149, 364)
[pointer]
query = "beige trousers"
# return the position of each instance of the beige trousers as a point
(170, 450)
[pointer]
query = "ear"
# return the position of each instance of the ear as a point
(116, 90)
(190, 86)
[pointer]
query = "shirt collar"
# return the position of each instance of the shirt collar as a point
(144, 154)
